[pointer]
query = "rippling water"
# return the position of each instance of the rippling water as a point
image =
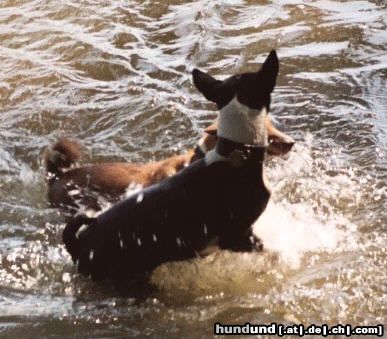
(116, 75)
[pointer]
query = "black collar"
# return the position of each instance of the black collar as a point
(230, 149)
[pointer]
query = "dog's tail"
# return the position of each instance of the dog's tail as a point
(74, 232)
(61, 156)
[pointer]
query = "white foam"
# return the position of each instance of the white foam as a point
(304, 214)
(291, 230)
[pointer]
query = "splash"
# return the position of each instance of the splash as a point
(304, 214)
(291, 230)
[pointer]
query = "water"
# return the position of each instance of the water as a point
(116, 75)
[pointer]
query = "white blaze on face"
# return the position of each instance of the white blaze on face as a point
(240, 123)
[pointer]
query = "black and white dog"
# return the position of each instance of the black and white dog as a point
(215, 198)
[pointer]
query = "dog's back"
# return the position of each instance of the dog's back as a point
(69, 187)
(173, 220)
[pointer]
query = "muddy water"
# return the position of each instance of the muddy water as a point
(116, 75)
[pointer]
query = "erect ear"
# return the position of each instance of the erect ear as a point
(270, 69)
(207, 85)
(212, 129)
(271, 64)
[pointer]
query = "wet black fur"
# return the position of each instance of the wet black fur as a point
(184, 213)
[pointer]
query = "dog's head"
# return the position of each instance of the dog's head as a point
(243, 101)
(280, 143)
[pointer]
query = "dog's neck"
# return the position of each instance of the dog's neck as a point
(239, 126)
(242, 124)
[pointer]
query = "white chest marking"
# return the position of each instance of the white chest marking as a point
(212, 157)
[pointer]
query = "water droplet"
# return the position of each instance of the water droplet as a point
(81, 229)
(74, 192)
(66, 277)
(140, 197)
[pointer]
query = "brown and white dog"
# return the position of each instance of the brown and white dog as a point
(71, 187)
(216, 198)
